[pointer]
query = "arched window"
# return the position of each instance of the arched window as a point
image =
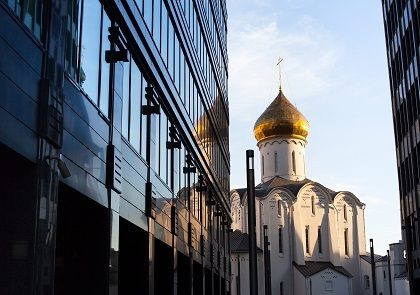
(367, 282)
(345, 212)
(294, 162)
(276, 163)
(313, 204)
(279, 208)
(319, 240)
(307, 239)
(262, 164)
(280, 239)
(346, 241)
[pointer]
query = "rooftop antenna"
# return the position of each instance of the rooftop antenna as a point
(279, 65)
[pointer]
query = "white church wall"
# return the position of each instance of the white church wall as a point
(330, 282)
(334, 241)
(361, 229)
(258, 223)
(300, 284)
(311, 208)
(298, 237)
(280, 255)
(402, 287)
(349, 234)
(282, 157)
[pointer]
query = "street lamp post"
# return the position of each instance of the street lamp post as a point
(250, 180)
(373, 265)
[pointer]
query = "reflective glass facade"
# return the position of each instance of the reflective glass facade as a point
(131, 96)
(401, 21)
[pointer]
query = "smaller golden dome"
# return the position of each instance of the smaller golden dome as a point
(281, 118)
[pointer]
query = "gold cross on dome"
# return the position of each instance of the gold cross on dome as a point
(279, 65)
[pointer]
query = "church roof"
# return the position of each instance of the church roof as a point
(239, 242)
(263, 189)
(378, 258)
(312, 267)
(402, 276)
(241, 192)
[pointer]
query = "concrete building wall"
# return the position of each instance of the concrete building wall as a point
(402, 287)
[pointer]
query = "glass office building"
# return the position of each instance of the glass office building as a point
(114, 147)
(401, 21)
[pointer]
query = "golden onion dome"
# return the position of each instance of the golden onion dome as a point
(281, 119)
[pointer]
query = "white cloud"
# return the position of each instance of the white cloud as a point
(309, 55)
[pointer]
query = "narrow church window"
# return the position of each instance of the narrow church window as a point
(279, 208)
(280, 239)
(319, 240)
(346, 241)
(345, 212)
(294, 162)
(328, 285)
(307, 239)
(262, 165)
(238, 284)
(367, 282)
(281, 288)
(276, 163)
(313, 205)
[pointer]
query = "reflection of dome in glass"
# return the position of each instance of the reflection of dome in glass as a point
(204, 130)
(283, 119)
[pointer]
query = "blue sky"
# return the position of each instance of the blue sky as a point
(335, 71)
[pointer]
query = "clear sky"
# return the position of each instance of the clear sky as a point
(335, 72)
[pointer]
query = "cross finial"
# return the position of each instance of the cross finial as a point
(279, 65)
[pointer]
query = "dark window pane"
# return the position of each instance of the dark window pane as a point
(135, 106)
(148, 13)
(143, 122)
(176, 74)
(89, 66)
(104, 95)
(171, 50)
(154, 142)
(156, 22)
(32, 16)
(175, 185)
(126, 100)
(162, 149)
(72, 37)
(164, 35)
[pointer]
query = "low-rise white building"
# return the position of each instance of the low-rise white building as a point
(396, 271)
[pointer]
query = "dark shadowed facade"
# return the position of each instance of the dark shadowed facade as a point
(130, 96)
(401, 21)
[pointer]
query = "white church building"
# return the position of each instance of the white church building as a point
(316, 236)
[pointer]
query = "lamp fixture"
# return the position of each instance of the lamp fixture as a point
(62, 167)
